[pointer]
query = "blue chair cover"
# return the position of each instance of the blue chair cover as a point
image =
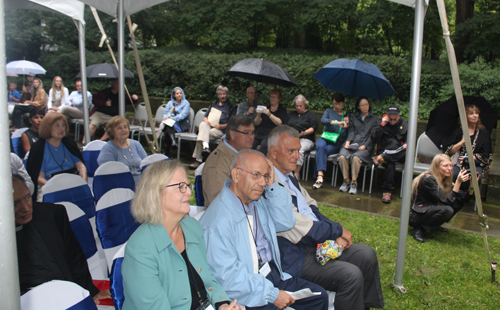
(83, 232)
(198, 191)
(116, 283)
(104, 183)
(115, 225)
(90, 160)
(16, 142)
(80, 196)
(86, 304)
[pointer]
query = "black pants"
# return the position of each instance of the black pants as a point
(167, 130)
(433, 218)
(390, 169)
(319, 302)
(262, 141)
(17, 114)
(354, 277)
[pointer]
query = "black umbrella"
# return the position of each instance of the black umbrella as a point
(262, 71)
(444, 119)
(105, 70)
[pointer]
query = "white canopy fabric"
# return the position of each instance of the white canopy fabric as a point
(71, 8)
(408, 2)
(130, 6)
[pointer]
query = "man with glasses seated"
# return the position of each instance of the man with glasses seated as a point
(239, 136)
(240, 229)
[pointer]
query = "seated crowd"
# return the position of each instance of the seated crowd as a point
(260, 237)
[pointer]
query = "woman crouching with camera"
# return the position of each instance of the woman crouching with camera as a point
(435, 199)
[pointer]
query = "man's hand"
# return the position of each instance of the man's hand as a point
(135, 97)
(216, 126)
(284, 300)
(108, 103)
(362, 147)
(206, 121)
(232, 306)
(271, 172)
(250, 110)
(385, 119)
(347, 235)
(101, 295)
(405, 146)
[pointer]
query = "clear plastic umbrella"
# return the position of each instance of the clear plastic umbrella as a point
(24, 67)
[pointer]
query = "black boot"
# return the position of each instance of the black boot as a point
(418, 234)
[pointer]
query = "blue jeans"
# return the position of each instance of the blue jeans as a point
(323, 150)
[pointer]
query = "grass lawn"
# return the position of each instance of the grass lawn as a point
(448, 271)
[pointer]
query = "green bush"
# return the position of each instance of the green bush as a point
(199, 72)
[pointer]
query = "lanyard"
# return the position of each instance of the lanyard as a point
(256, 230)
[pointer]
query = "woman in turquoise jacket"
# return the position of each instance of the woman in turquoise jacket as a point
(165, 263)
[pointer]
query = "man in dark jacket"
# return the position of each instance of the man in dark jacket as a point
(208, 131)
(390, 137)
(354, 276)
(47, 248)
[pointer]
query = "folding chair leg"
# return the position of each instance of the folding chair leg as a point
(179, 148)
(307, 168)
(402, 184)
(364, 180)
(371, 179)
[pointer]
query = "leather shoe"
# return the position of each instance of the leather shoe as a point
(442, 229)
(386, 198)
(418, 234)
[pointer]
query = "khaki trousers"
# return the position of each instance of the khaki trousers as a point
(355, 167)
(205, 134)
(71, 112)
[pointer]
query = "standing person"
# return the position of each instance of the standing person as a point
(165, 263)
(74, 107)
(208, 131)
(240, 228)
(58, 95)
(435, 200)
(121, 148)
(27, 89)
(390, 136)
(177, 109)
(481, 145)
(31, 135)
(13, 96)
(358, 147)
(274, 115)
(106, 106)
(38, 100)
(248, 107)
(336, 120)
(306, 123)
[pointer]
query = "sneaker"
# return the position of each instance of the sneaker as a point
(353, 189)
(345, 186)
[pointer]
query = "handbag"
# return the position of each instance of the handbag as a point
(332, 136)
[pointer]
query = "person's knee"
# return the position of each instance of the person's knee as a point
(447, 211)
(352, 278)
(342, 159)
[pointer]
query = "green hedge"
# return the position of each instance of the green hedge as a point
(200, 72)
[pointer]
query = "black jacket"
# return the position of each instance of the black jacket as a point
(390, 137)
(52, 223)
(231, 107)
(430, 194)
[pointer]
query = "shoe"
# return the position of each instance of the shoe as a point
(418, 234)
(386, 198)
(353, 189)
(319, 183)
(345, 186)
(442, 229)
(205, 153)
(194, 165)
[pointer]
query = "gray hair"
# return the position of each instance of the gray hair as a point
(147, 204)
(302, 99)
(275, 135)
(236, 121)
(239, 159)
(222, 88)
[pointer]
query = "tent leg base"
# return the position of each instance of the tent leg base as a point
(399, 288)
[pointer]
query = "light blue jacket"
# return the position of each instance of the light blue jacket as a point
(181, 111)
(229, 243)
(155, 275)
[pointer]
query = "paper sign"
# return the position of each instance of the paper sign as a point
(214, 116)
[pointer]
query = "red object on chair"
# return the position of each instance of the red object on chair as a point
(103, 285)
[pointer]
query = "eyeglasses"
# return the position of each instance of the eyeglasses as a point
(257, 175)
(183, 186)
(246, 133)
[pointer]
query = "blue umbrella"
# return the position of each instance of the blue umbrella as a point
(354, 78)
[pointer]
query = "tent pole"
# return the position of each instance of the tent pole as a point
(121, 59)
(9, 281)
(418, 34)
(83, 74)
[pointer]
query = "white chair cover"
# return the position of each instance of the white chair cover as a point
(152, 159)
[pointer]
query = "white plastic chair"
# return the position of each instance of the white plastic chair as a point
(110, 175)
(152, 159)
(57, 295)
(427, 148)
(115, 223)
(141, 115)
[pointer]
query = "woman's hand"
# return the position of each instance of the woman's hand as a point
(347, 145)
(82, 170)
(362, 147)
(463, 176)
(101, 295)
(343, 124)
(232, 306)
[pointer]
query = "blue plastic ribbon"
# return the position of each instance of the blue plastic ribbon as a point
(83, 232)
(80, 196)
(86, 304)
(116, 283)
(90, 160)
(115, 225)
(107, 182)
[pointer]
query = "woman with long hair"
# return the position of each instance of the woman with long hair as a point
(58, 95)
(481, 145)
(435, 200)
(38, 100)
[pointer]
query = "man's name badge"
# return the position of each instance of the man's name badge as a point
(206, 306)
(265, 269)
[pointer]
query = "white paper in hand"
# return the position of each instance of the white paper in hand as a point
(214, 116)
(260, 108)
(304, 293)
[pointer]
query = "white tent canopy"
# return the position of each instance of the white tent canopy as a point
(408, 2)
(71, 8)
(130, 6)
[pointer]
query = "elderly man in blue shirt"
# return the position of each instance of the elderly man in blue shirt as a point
(240, 228)
(354, 275)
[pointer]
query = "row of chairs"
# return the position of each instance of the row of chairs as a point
(425, 147)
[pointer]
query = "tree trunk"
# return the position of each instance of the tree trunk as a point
(465, 11)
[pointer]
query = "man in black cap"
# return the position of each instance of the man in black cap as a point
(390, 137)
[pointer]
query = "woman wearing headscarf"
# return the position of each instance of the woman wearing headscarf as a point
(177, 110)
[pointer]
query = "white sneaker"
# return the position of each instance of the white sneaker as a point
(353, 189)
(345, 186)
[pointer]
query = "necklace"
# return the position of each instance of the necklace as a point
(133, 169)
(59, 154)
